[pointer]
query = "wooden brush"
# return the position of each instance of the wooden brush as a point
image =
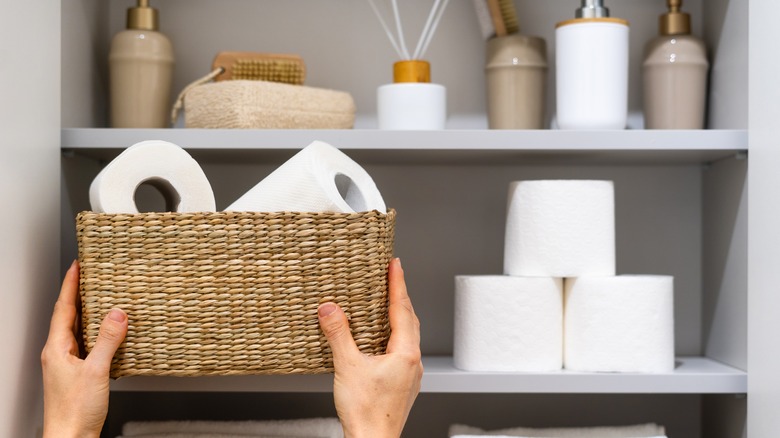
(272, 67)
(497, 17)
(509, 15)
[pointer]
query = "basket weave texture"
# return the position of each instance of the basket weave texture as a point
(233, 293)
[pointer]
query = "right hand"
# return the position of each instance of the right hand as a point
(75, 390)
(374, 394)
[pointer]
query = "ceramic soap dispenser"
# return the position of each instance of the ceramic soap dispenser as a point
(675, 74)
(141, 69)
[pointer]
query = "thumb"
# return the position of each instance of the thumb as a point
(112, 333)
(334, 324)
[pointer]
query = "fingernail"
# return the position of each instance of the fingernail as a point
(326, 309)
(117, 315)
(73, 265)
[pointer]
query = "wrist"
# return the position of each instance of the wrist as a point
(61, 430)
(371, 432)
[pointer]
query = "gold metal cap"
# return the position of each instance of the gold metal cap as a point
(414, 70)
(674, 22)
(142, 17)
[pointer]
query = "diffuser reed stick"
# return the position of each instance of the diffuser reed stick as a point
(398, 41)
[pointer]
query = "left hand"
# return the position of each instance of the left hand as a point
(75, 390)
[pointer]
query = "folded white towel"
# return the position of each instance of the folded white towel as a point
(507, 436)
(635, 431)
(480, 436)
(199, 435)
(302, 428)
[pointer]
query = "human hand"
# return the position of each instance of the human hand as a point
(75, 390)
(374, 394)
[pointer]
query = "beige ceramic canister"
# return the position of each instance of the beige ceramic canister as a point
(141, 70)
(675, 74)
(516, 72)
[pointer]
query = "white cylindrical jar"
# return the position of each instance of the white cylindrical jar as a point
(591, 56)
(411, 102)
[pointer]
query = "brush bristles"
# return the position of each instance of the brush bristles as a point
(272, 70)
(509, 15)
(485, 22)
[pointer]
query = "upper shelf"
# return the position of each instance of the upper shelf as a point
(692, 375)
(441, 147)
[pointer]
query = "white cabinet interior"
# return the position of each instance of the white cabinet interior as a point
(678, 212)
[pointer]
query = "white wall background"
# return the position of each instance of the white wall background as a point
(29, 189)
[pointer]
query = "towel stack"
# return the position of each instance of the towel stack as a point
(303, 428)
(634, 431)
(560, 303)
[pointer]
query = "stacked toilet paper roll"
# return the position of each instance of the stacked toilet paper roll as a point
(560, 228)
(563, 231)
(507, 323)
(623, 323)
(319, 178)
(164, 165)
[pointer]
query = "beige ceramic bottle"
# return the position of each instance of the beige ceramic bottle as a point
(141, 69)
(675, 74)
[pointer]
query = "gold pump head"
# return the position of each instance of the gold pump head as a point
(674, 22)
(142, 17)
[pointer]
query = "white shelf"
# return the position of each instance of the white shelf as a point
(445, 147)
(693, 375)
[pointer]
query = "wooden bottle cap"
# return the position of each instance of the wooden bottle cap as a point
(412, 71)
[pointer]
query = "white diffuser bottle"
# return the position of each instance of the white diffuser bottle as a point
(412, 101)
(675, 74)
(141, 70)
(592, 69)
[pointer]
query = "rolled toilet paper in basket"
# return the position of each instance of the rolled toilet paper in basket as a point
(507, 323)
(560, 228)
(164, 165)
(319, 178)
(619, 324)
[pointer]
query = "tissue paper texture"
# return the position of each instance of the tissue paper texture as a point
(619, 324)
(319, 178)
(560, 228)
(508, 323)
(160, 163)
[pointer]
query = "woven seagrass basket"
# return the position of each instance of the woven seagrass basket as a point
(232, 293)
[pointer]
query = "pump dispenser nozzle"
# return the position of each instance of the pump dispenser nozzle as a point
(142, 17)
(674, 22)
(592, 9)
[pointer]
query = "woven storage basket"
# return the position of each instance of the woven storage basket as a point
(232, 293)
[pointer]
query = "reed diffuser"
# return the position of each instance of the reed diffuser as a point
(411, 101)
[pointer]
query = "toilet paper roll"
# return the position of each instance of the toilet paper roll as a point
(508, 323)
(619, 324)
(319, 178)
(560, 228)
(164, 165)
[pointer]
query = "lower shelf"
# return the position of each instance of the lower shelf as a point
(692, 375)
